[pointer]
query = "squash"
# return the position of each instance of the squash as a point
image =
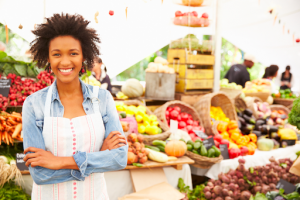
(160, 60)
(132, 88)
(175, 148)
(265, 144)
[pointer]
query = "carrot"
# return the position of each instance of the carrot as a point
(15, 113)
(10, 139)
(6, 138)
(2, 118)
(19, 138)
(13, 122)
(17, 131)
(16, 118)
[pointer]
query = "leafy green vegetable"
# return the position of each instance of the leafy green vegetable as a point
(21, 69)
(195, 194)
(10, 191)
(260, 196)
(294, 115)
(283, 165)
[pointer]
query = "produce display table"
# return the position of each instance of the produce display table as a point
(119, 183)
(260, 158)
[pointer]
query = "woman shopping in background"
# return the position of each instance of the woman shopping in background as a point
(72, 133)
(286, 79)
(271, 73)
(100, 73)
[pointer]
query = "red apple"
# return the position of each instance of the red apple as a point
(205, 15)
(178, 13)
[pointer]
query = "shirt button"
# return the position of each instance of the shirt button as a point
(86, 109)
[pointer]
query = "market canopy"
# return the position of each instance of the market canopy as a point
(247, 24)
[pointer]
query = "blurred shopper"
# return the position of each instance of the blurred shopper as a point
(271, 73)
(100, 73)
(238, 73)
(286, 79)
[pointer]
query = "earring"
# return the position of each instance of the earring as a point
(82, 69)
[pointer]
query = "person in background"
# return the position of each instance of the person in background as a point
(286, 79)
(271, 73)
(238, 73)
(100, 73)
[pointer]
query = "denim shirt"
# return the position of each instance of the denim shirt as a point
(95, 162)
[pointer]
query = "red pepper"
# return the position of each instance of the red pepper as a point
(184, 116)
(223, 141)
(217, 144)
(234, 152)
(244, 151)
(218, 138)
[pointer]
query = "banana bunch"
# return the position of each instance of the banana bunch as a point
(92, 81)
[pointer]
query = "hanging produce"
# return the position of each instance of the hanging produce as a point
(160, 65)
(111, 12)
(191, 19)
(132, 88)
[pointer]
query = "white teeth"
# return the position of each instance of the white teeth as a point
(65, 70)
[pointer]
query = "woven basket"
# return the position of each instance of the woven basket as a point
(203, 161)
(280, 107)
(262, 95)
(284, 102)
(215, 127)
(250, 105)
(231, 93)
(149, 138)
(218, 99)
(240, 104)
(161, 112)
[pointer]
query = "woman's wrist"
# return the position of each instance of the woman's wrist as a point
(68, 163)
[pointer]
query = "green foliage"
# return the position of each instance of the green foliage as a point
(196, 194)
(11, 191)
(294, 115)
(9, 65)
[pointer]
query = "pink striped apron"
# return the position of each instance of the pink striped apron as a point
(63, 137)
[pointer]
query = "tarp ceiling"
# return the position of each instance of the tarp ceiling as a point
(247, 24)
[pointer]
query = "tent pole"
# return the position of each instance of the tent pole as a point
(218, 45)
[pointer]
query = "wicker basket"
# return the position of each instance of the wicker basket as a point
(231, 93)
(240, 103)
(149, 138)
(284, 102)
(215, 127)
(280, 107)
(161, 112)
(219, 99)
(262, 95)
(203, 161)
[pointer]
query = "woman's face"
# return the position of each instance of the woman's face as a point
(65, 58)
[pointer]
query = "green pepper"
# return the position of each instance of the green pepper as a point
(203, 151)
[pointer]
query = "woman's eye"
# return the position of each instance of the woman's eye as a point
(56, 54)
(73, 54)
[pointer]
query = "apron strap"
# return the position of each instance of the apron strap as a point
(48, 102)
(95, 99)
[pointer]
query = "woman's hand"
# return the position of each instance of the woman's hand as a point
(113, 141)
(42, 158)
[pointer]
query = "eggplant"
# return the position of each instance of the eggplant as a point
(257, 133)
(242, 120)
(247, 129)
(275, 136)
(239, 124)
(248, 112)
(259, 123)
(239, 114)
(268, 129)
(248, 119)
(276, 144)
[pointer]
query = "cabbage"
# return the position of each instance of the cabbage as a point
(265, 144)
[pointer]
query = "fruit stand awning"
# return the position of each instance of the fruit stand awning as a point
(247, 24)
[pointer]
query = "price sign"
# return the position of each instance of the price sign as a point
(5, 86)
(285, 143)
(200, 134)
(224, 151)
(209, 143)
(20, 162)
(288, 187)
(173, 126)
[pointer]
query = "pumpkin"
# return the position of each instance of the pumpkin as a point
(175, 148)
(132, 88)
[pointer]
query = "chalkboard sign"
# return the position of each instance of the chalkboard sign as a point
(209, 143)
(200, 134)
(20, 162)
(285, 143)
(288, 187)
(5, 86)
(224, 151)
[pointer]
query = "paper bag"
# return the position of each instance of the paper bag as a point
(161, 191)
(295, 169)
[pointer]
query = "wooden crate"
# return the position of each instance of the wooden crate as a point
(160, 86)
(186, 85)
(184, 72)
(192, 97)
(182, 56)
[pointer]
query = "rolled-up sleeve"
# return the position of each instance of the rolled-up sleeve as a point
(108, 160)
(32, 136)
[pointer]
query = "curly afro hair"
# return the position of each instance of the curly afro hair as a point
(61, 25)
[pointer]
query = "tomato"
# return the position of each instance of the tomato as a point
(174, 114)
(205, 15)
(178, 13)
(184, 117)
(195, 13)
(189, 129)
(177, 108)
(189, 122)
(181, 124)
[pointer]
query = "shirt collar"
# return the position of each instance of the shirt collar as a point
(85, 91)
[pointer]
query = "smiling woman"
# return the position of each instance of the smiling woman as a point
(72, 133)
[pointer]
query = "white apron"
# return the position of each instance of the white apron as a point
(63, 137)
